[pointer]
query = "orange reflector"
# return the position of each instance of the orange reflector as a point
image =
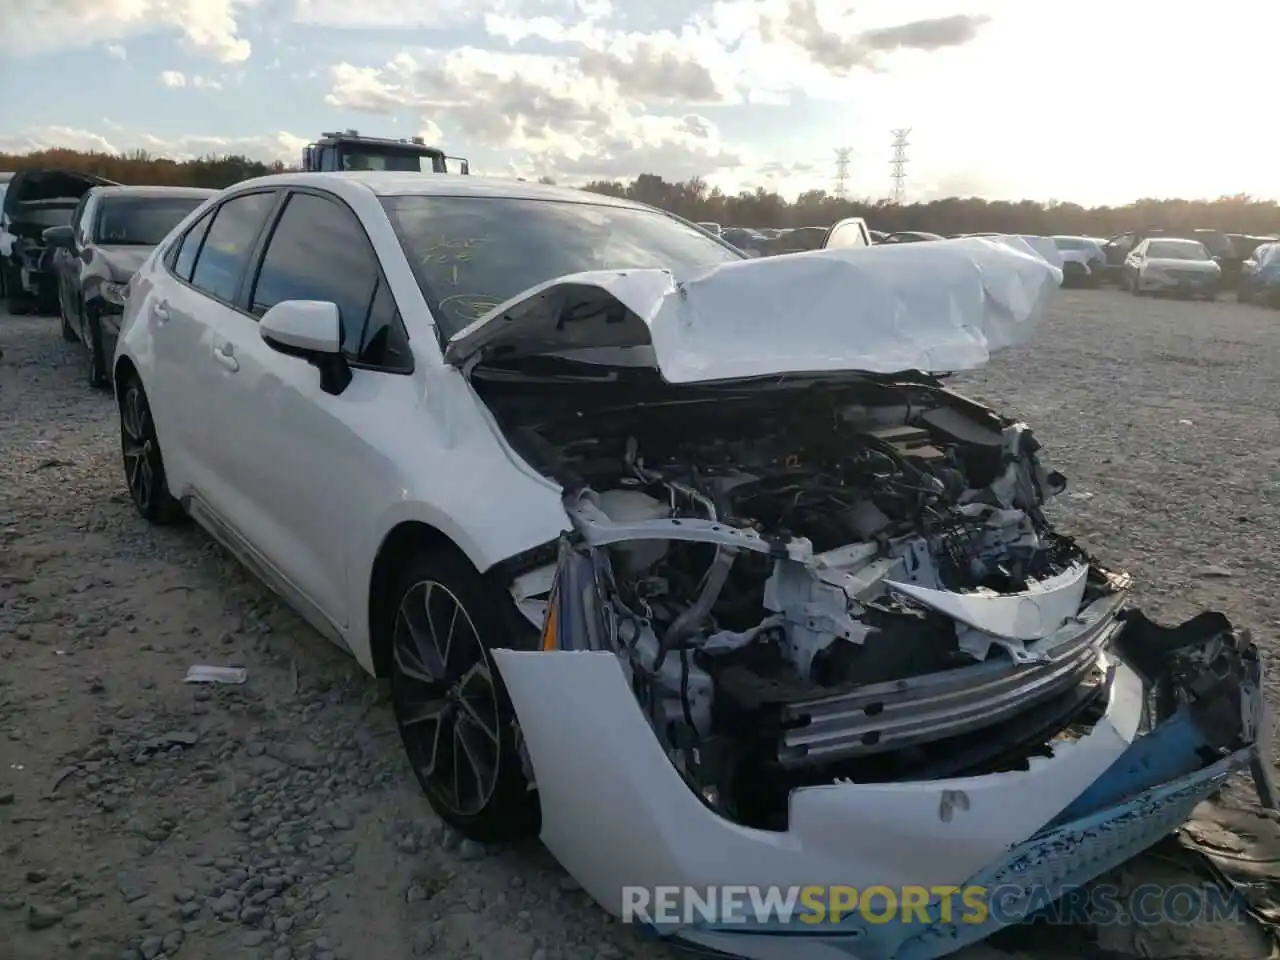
(549, 625)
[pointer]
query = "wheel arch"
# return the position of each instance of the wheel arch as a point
(406, 540)
(124, 369)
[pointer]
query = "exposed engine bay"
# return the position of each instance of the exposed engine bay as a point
(833, 583)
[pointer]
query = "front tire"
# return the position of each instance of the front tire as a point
(456, 721)
(143, 465)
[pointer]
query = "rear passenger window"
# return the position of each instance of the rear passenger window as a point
(189, 246)
(319, 251)
(229, 244)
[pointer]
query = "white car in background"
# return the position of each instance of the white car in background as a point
(1084, 262)
(702, 581)
(1170, 265)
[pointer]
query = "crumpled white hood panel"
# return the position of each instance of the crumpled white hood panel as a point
(941, 306)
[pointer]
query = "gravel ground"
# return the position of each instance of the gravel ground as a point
(141, 817)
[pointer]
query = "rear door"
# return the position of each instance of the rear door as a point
(205, 275)
(303, 464)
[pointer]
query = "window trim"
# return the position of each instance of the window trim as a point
(171, 254)
(259, 256)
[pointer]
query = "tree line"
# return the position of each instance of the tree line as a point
(695, 200)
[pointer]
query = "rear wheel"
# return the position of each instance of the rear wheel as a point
(456, 721)
(143, 465)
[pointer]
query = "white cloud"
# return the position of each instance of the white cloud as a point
(117, 52)
(546, 110)
(210, 28)
(52, 137)
(412, 14)
(282, 146)
(172, 78)
(206, 83)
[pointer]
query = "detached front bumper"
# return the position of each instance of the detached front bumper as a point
(1026, 836)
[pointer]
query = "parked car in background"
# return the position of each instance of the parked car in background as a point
(1083, 261)
(1260, 276)
(1117, 248)
(850, 232)
(751, 242)
(879, 236)
(34, 201)
(1223, 252)
(798, 240)
(111, 233)
(1245, 244)
(712, 228)
(913, 236)
(6, 238)
(1174, 265)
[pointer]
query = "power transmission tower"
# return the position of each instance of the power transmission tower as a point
(899, 164)
(842, 170)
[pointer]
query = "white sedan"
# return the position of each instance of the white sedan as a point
(674, 557)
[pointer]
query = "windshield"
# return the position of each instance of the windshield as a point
(396, 160)
(470, 254)
(141, 221)
(45, 216)
(1177, 250)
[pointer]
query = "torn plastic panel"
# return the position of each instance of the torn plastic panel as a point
(1097, 795)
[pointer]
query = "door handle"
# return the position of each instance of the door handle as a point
(160, 310)
(225, 355)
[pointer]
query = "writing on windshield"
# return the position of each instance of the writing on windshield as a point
(141, 221)
(471, 253)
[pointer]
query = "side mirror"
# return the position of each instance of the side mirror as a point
(62, 237)
(310, 330)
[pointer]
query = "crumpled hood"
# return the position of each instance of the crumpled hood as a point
(936, 307)
(124, 261)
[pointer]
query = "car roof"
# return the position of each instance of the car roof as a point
(392, 184)
(155, 191)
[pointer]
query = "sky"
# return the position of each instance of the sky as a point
(1090, 102)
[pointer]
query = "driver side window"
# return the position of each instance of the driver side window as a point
(319, 251)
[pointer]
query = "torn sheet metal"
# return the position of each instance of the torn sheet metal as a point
(1105, 794)
(927, 306)
(1037, 612)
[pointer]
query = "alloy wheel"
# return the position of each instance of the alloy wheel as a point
(445, 702)
(138, 441)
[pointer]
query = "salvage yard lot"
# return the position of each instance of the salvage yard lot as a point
(133, 806)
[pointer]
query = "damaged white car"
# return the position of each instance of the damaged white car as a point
(680, 560)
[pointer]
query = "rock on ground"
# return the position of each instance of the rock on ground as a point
(144, 818)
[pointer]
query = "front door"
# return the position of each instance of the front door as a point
(301, 460)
